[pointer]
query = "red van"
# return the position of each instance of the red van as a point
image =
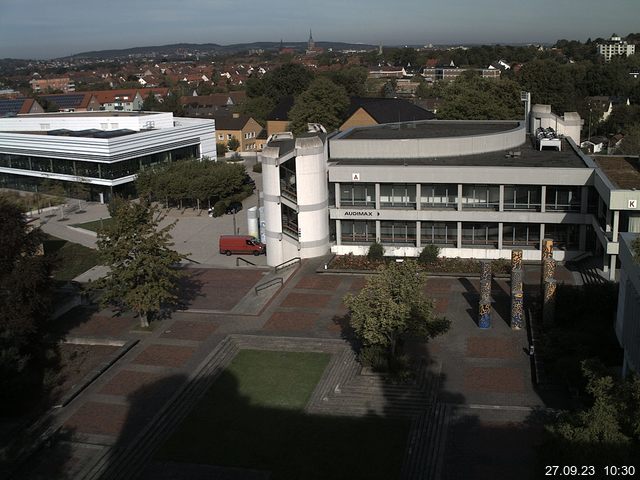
(243, 244)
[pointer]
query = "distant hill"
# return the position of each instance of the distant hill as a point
(212, 48)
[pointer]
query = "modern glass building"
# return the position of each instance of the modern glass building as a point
(102, 151)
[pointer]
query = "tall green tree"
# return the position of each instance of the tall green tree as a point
(323, 102)
(392, 306)
(143, 275)
(288, 79)
(606, 431)
(25, 305)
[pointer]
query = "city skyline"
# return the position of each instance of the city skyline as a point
(69, 27)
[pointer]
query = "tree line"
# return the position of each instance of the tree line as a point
(195, 183)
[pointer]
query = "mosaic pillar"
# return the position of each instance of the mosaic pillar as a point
(517, 309)
(549, 305)
(484, 312)
(547, 248)
(516, 259)
(548, 269)
(484, 315)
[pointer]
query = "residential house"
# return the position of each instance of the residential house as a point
(615, 46)
(65, 84)
(365, 112)
(241, 127)
(73, 102)
(17, 106)
(278, 119)
(211, 105)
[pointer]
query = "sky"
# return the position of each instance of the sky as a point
(53, 28)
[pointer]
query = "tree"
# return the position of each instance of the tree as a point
(631, 141)
(323, 102)
(258, 108)
(233, 144)
(288, 79)
(353, 79)
(221, 149)
(376, 252)
(607, 432)
(143, 274)
(151, 103)
(25, 303)
(392, 306)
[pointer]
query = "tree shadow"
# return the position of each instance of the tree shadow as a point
(190, 288)
(472, 296)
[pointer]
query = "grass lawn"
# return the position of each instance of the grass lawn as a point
(253, 417)
(94, 225)
(72, 259)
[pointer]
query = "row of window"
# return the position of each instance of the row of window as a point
(445, 196)
(445, 234)
(107, 171)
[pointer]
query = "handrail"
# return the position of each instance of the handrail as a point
(269, 283)
(287, 264)
(245, 261)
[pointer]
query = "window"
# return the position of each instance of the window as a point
(522, 197)
(521, 235)
(229, 136)
(289, 222)
(357, 195)
(220, 137)
(438, 196)
(481, 196)
(439, 233)
(480, 234)
(288, 180)
(398, 233)
(357, 231)
(563, 199)
(565, 236)
(397, 195)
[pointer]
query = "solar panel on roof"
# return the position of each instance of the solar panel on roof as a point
(65, 101)
(10, 107)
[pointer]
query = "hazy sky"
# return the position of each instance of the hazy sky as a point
(53, 28)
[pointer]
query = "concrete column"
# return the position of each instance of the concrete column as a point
(337, 194)
(459, 197)
(378, 231)
(608, 220)
(500, 225)
(582, 238)
(616, 224)
(418, 195)
(418, 236)
(459, 239)
(501, 203)
(377, 194)
(612, 267)
(338, 232)
(541, 235)
(584, 199)
(543, 202)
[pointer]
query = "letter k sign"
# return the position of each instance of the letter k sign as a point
(633, 204)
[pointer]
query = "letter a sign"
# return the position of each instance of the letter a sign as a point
(355, 177)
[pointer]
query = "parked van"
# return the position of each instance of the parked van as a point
(242, 244)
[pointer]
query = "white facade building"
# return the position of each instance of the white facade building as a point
(628, 315)
(615, 46)
(475, 189)
(103, 150)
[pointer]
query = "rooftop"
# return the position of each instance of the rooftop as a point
(624, 172)
(428, 129)
(529, 156)
(101, 113)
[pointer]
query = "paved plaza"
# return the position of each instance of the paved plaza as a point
(475, 411)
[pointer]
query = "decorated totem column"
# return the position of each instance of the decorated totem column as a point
(484, 310)
(548, 285)
(517, 290)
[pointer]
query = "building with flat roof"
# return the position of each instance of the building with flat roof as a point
(475, 189)
(615, 46)
(628, 315)
(104, 151)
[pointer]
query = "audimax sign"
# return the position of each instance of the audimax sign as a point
(361, 213)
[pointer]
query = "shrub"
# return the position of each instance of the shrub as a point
(376, 252)
(429, 254)
(374, 357)
(219, 208)
(257, 167)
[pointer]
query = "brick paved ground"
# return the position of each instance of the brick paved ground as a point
(479, 367)
(218, 289)
(94, 322)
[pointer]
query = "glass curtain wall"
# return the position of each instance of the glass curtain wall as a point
(357, 232)
(438, 196)
(443, 234)
(358, 195)
(398, 195)
(481, 196)
(394, 233)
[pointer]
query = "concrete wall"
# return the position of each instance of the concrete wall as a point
(568, 125)
(84, 121)
(429, 147)
(628, 314)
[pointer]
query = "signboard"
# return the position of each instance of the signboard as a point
(361, 213)
(632, 204)
(355, 177)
